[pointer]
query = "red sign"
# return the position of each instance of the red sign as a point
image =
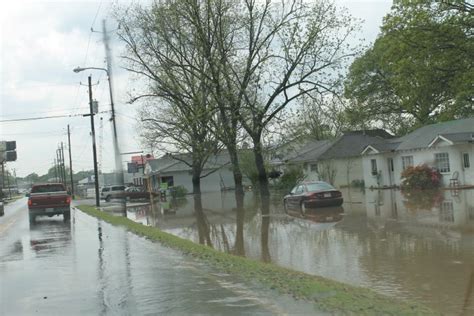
(142, 159)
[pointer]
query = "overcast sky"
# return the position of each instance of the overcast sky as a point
(41, 42)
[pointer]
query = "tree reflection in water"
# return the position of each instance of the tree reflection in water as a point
(265, 207)
(204, 231)
(239, 248)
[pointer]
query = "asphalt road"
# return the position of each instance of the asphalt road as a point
(88, 267)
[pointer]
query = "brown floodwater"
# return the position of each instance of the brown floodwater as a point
(410, 245)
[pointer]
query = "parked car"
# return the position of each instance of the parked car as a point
(49, 199)
(314, 194)
(107, 192)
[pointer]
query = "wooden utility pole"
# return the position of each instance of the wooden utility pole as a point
(94, 151)
(63, 165)
(70, 160)
(56, 168)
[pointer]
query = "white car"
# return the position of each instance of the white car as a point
(106, 192)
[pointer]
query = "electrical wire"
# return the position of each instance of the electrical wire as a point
(45, 117)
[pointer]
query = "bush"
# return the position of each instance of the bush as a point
(421, 177)
(178, 191)
(291, 177)
(357, 183)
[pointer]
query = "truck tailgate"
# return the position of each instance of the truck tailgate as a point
(52, 199)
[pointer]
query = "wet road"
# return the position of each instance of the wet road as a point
(409, 246)
(87, 267)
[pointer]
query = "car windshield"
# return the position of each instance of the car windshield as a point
(319, 186)
(48, 188)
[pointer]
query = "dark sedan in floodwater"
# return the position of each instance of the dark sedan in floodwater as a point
(312, 194)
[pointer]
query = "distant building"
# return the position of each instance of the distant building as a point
(216, 175)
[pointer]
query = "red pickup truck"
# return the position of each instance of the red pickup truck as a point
(48, 200)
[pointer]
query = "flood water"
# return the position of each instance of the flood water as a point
(413, 246)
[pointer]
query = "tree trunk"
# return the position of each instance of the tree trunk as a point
(196, 178)
(204, 231)
(262, 173)
(239, 248)
(234, 159)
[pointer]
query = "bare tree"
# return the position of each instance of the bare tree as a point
(162, 51)
(283, 52)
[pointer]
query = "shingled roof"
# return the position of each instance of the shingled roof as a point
(457, 131)
(351, 144)
(423, 136)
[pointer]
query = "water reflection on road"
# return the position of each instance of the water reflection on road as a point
(417, 246)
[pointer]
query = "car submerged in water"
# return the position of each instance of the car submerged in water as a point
(312, 195)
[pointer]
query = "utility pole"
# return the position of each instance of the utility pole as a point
(70, 160)
(16, 180)
(58, 158)
(56, 168)
(108, 57)
(63, 165)
(94, 151)
(118, 160)
(8, 183)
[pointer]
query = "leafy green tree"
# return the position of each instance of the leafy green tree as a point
(420, 68)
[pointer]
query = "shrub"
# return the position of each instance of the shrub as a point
(291, 177)
(178, 191)
(421, 177)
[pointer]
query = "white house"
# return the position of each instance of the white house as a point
(337, 161)
(447, 146)
(216, 174)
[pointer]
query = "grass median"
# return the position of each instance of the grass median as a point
(328, 295)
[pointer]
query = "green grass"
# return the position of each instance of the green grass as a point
(328, 295)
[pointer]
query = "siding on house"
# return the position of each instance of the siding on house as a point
(454, 138)
(216, 175)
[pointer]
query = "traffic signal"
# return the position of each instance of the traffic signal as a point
(10, 146)
(10, 155)
(8, 151)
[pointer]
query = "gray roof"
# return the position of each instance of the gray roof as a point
(168, 163)
(312, 150)
(459, 137)
(353, 143)
(390, 145)
(422, 137)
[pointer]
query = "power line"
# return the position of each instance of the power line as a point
(44, 117)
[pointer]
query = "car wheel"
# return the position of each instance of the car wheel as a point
(303, 208)
(107, 198)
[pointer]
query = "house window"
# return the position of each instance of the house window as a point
(465, 160)
(407, 161)
(446, 211)
(442, 162)
(373, 164)
(314, 167)
(470, 211)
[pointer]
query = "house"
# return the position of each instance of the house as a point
(446, 146)
(339, 161)
(304, 154)
(216, 175)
